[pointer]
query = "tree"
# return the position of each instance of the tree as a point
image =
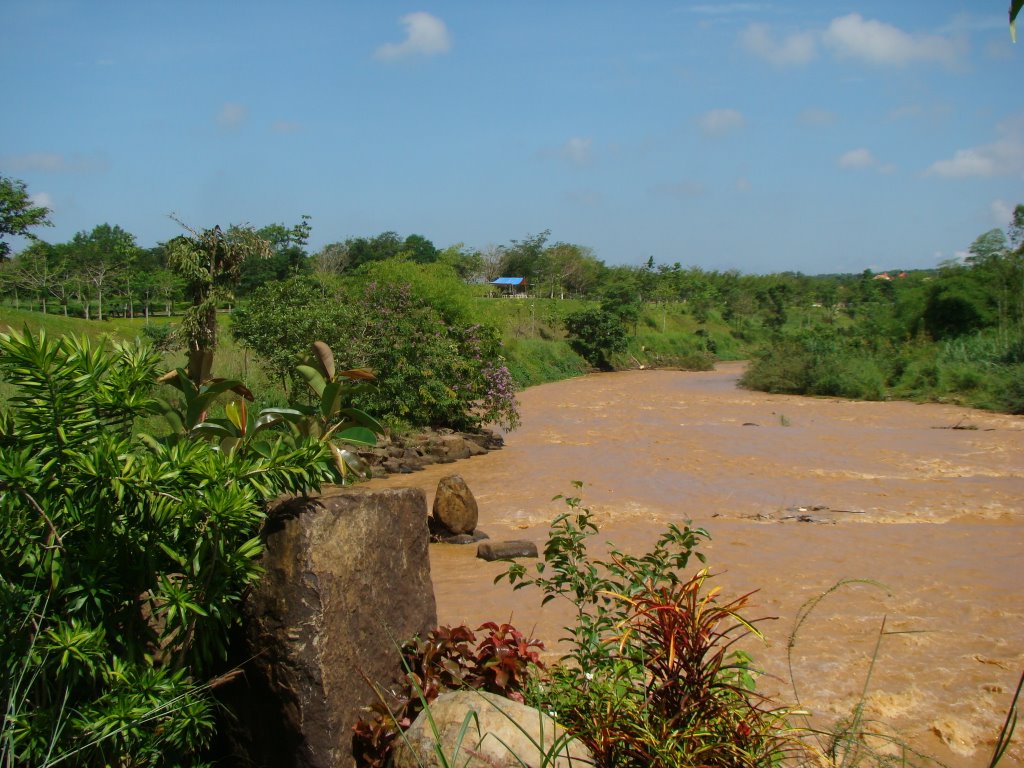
(596, 335)
(37, 270)
(468, 265)
(621, 296)
(210, 263)
(332, 259)
(569, 268)
(287, 256)
(420, 250)
(525, 258)
(18, 214)
(100, 258)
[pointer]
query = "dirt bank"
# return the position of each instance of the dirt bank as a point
(886, 491)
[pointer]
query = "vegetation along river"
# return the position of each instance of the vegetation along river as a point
(798, 494)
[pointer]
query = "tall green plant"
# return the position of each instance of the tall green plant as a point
(122, 564)
(210, 263)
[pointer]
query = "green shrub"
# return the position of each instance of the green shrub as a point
(122, 563)
(596, 335)
(652, 676)
(434, 369)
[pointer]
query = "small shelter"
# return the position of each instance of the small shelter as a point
(514, 287)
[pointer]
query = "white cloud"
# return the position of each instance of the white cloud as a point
(53, 162)
(424, 34)
(857, 158)
(876, 42)
(815, 116)
(232, 115)
(579, 151)
(42, 198)
(719, 122)
(796, 49)
(1003, 157)
(1002, 212)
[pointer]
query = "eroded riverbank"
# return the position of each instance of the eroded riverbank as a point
(935, 514)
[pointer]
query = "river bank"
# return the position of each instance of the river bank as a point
(889, 491)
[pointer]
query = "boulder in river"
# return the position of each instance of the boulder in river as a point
(505, 550)
(455, 508)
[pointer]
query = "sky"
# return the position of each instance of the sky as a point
(809, 136)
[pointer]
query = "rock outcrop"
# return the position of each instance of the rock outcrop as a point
(409, 453)
(347, 581)
(504, 734)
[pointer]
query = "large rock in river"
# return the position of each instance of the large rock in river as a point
(347, 581)
(455, 508)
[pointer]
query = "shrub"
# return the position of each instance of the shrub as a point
(434, 369)
(122, 563)
(596, 335)
(503, 662)
(652, 676)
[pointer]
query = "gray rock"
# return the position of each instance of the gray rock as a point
(347, 581)
(504, 734)
(455, 508)
(474, 448)
(503, 550)
(461, 538)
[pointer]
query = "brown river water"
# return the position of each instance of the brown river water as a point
(888, 491)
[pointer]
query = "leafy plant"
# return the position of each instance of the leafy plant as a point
(596, 335)
(330, 418)
(652, 676)
(333, 416)
(122, 562)
(448, 658)
(434, 367)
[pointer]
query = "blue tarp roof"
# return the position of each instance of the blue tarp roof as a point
(508, 281)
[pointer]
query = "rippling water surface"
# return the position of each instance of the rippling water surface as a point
(893, 494)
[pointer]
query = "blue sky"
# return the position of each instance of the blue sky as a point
(762, 136)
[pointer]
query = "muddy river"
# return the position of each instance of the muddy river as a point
(798, 494)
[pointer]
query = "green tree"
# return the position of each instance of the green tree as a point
(525, 258)
(18, 214)
(210, 263)
(288, 256)
(596, 335)
(620, 296)
(467, 264)
(37, 270)
(101, 259)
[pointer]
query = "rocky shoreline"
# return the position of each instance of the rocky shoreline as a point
(404, 454)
